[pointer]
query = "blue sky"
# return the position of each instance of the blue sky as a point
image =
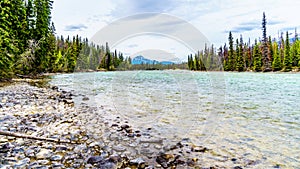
(213, 18)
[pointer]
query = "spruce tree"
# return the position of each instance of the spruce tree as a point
(287, 56)
(276, 64)
(41, 33)
(266, 62)
(225, 60)
(9, 42)
(239, 58)
(271, 50)
(257, 57)
(230, 64)
(108, 57)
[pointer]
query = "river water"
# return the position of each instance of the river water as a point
(251, 115)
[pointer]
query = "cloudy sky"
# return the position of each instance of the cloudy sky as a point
(134, 26)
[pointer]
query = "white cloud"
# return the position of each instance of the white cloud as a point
(214, 18)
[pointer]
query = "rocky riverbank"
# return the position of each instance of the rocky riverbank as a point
(94, 142)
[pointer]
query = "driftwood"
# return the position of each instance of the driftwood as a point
(18, 135)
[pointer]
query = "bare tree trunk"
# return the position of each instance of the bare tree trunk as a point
(18, 135)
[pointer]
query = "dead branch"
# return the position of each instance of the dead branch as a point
(18, 135)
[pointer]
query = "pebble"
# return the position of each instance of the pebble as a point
(85, 99)
(119, 148)
(30, 153)
(50, 113)
(61, 148)
(56, 158)
(3, 140)
(125, 126)
(95, 159)
(44, 154)
(43, 162)
(198, 149)
(22, 163)
(138, 162)
(57, 165)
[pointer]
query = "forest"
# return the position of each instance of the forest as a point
(29, 47)
(266, 54)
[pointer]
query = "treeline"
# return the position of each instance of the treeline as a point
(158, 66)
(26, 36)
(267, 54)
(28, 45)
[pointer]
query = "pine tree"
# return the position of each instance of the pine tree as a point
(276, 64)
(225, 60)
(271, 51)
(42, 32)
(266, 61)
(287, 56)
(257, 57)
(197, 62)
(239, 57)
(230, 64)
(108, 57)
(9, 40)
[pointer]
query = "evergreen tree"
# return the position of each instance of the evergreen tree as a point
(276, 64)
(225, 60)
(108, 57)
(230, 64)
(239, 57)
(287, 56)
(271, 50)
(266, 61)
(9, 45)
(257, 56)
(297, 48)
(293, 55)
(197, 62)
(42, 33)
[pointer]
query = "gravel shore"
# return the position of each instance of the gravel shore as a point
(95, 142)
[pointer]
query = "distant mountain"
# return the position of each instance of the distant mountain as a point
(138, 60)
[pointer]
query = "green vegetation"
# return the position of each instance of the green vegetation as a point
(28, 45)
(265, 55)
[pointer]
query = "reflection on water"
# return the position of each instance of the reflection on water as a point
(240, 114)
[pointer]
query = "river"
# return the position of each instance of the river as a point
(253, 115)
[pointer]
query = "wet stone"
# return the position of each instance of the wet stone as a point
(56, 158)
(95, 159)
(125, 126)
(85, 99)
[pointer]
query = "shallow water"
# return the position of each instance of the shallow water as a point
(251, 115)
